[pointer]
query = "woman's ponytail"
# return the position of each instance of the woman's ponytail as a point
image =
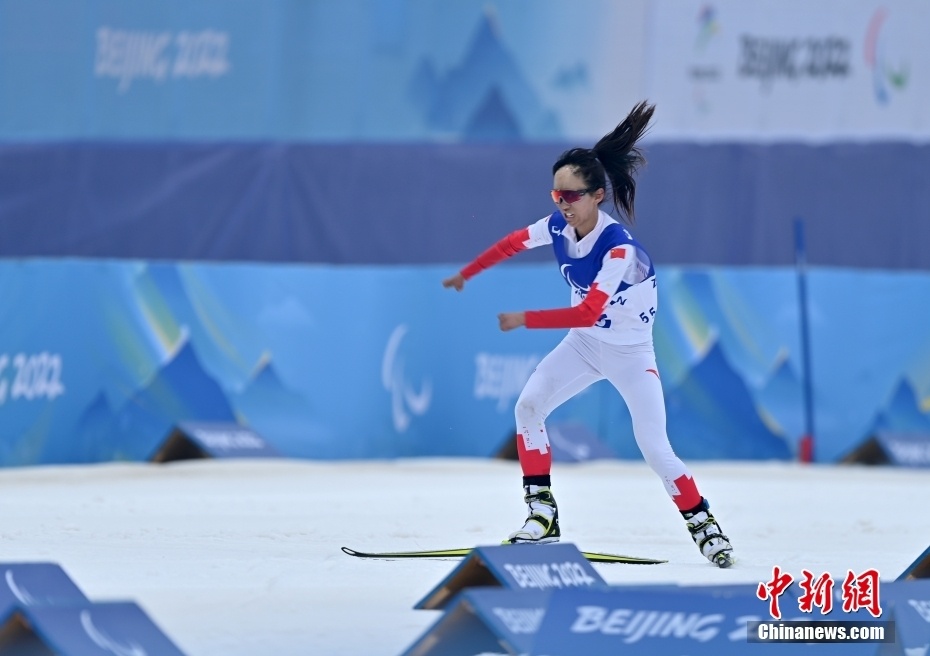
(621, 158)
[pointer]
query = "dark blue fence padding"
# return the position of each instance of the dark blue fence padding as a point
(864, 205)
(266, 202)
(721, 204)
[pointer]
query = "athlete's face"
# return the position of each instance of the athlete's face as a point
(582, 213)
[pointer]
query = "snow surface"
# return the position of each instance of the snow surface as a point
(242, 557)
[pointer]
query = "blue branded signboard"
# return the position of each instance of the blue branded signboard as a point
(485, 620)
(919, 569)
(88, 629)
(688, 620)
(662, 620)
(30, 584)
(908, 604)
(516, 567)
(905, 449)
(193, 439)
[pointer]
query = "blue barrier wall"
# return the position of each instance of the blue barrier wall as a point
(333, 362)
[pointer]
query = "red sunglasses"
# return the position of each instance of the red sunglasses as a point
(568, 195)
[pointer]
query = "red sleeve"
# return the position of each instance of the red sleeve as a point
(583, 315)
(506, 247)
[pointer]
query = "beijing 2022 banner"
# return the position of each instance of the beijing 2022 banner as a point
(462, 70)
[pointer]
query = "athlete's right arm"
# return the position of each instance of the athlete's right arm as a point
(532, 236)
(506, 247)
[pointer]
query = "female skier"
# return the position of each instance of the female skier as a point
(613, 306)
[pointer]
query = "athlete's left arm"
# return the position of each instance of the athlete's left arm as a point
(585, 314)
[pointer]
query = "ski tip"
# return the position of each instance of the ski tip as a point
(351, 552)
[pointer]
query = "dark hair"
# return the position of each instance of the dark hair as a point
(615, 156)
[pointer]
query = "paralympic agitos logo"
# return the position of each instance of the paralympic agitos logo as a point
(406, 401)
(583, 290)
(889, 74)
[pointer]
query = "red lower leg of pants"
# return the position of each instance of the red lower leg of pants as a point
(533, 462)
(688, 496)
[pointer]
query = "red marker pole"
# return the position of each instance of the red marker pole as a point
(806, 445)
